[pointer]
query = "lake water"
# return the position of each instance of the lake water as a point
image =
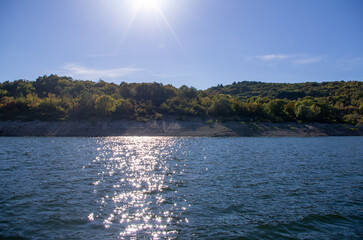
(181, 188)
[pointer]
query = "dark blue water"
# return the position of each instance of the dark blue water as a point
(181, 188)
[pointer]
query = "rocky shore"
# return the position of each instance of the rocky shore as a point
(194, 127)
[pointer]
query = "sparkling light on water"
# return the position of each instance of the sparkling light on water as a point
(181, 188)
(141, 178)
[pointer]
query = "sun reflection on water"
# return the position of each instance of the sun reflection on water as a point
(135, 187)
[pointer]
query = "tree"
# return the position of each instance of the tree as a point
(105, 106)
(186, 92)
(222, 106)
(275, 108)
(85, 105)
(124, 109)
(304, 113)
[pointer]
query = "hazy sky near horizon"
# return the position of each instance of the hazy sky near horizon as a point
(199, 43)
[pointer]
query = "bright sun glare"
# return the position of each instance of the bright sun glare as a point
(154, 6)
(146, 4)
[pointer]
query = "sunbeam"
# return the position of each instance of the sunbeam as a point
(161, 14)
(150, 6)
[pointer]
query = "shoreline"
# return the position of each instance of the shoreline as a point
(191, 128)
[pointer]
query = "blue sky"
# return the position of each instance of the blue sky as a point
(199, 43)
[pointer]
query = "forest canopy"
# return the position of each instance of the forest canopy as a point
(53, 97)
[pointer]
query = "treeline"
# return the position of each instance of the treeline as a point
(62, 98)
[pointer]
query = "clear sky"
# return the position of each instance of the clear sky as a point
(199, 43)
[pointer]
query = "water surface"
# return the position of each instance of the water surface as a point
(181, 188)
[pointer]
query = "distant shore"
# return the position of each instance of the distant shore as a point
(193, 127)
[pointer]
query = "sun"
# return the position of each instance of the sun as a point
(145, 8)
(148, 5)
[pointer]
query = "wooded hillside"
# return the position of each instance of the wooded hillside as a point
(62, 98)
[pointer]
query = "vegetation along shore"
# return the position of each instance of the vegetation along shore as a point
(60, 106)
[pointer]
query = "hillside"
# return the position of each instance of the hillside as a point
(55, 98)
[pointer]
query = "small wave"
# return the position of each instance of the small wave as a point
(324, 218)
(12, 237)
(329, 226)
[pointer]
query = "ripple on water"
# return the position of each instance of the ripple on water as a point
(142, 200)
(181, 188)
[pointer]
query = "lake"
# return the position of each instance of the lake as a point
(181, 188)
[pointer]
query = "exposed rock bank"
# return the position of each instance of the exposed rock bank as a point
(174, 128)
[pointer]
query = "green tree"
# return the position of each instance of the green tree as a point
(124, 109)
(304, 112)
(221, 106)
(105, 106)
